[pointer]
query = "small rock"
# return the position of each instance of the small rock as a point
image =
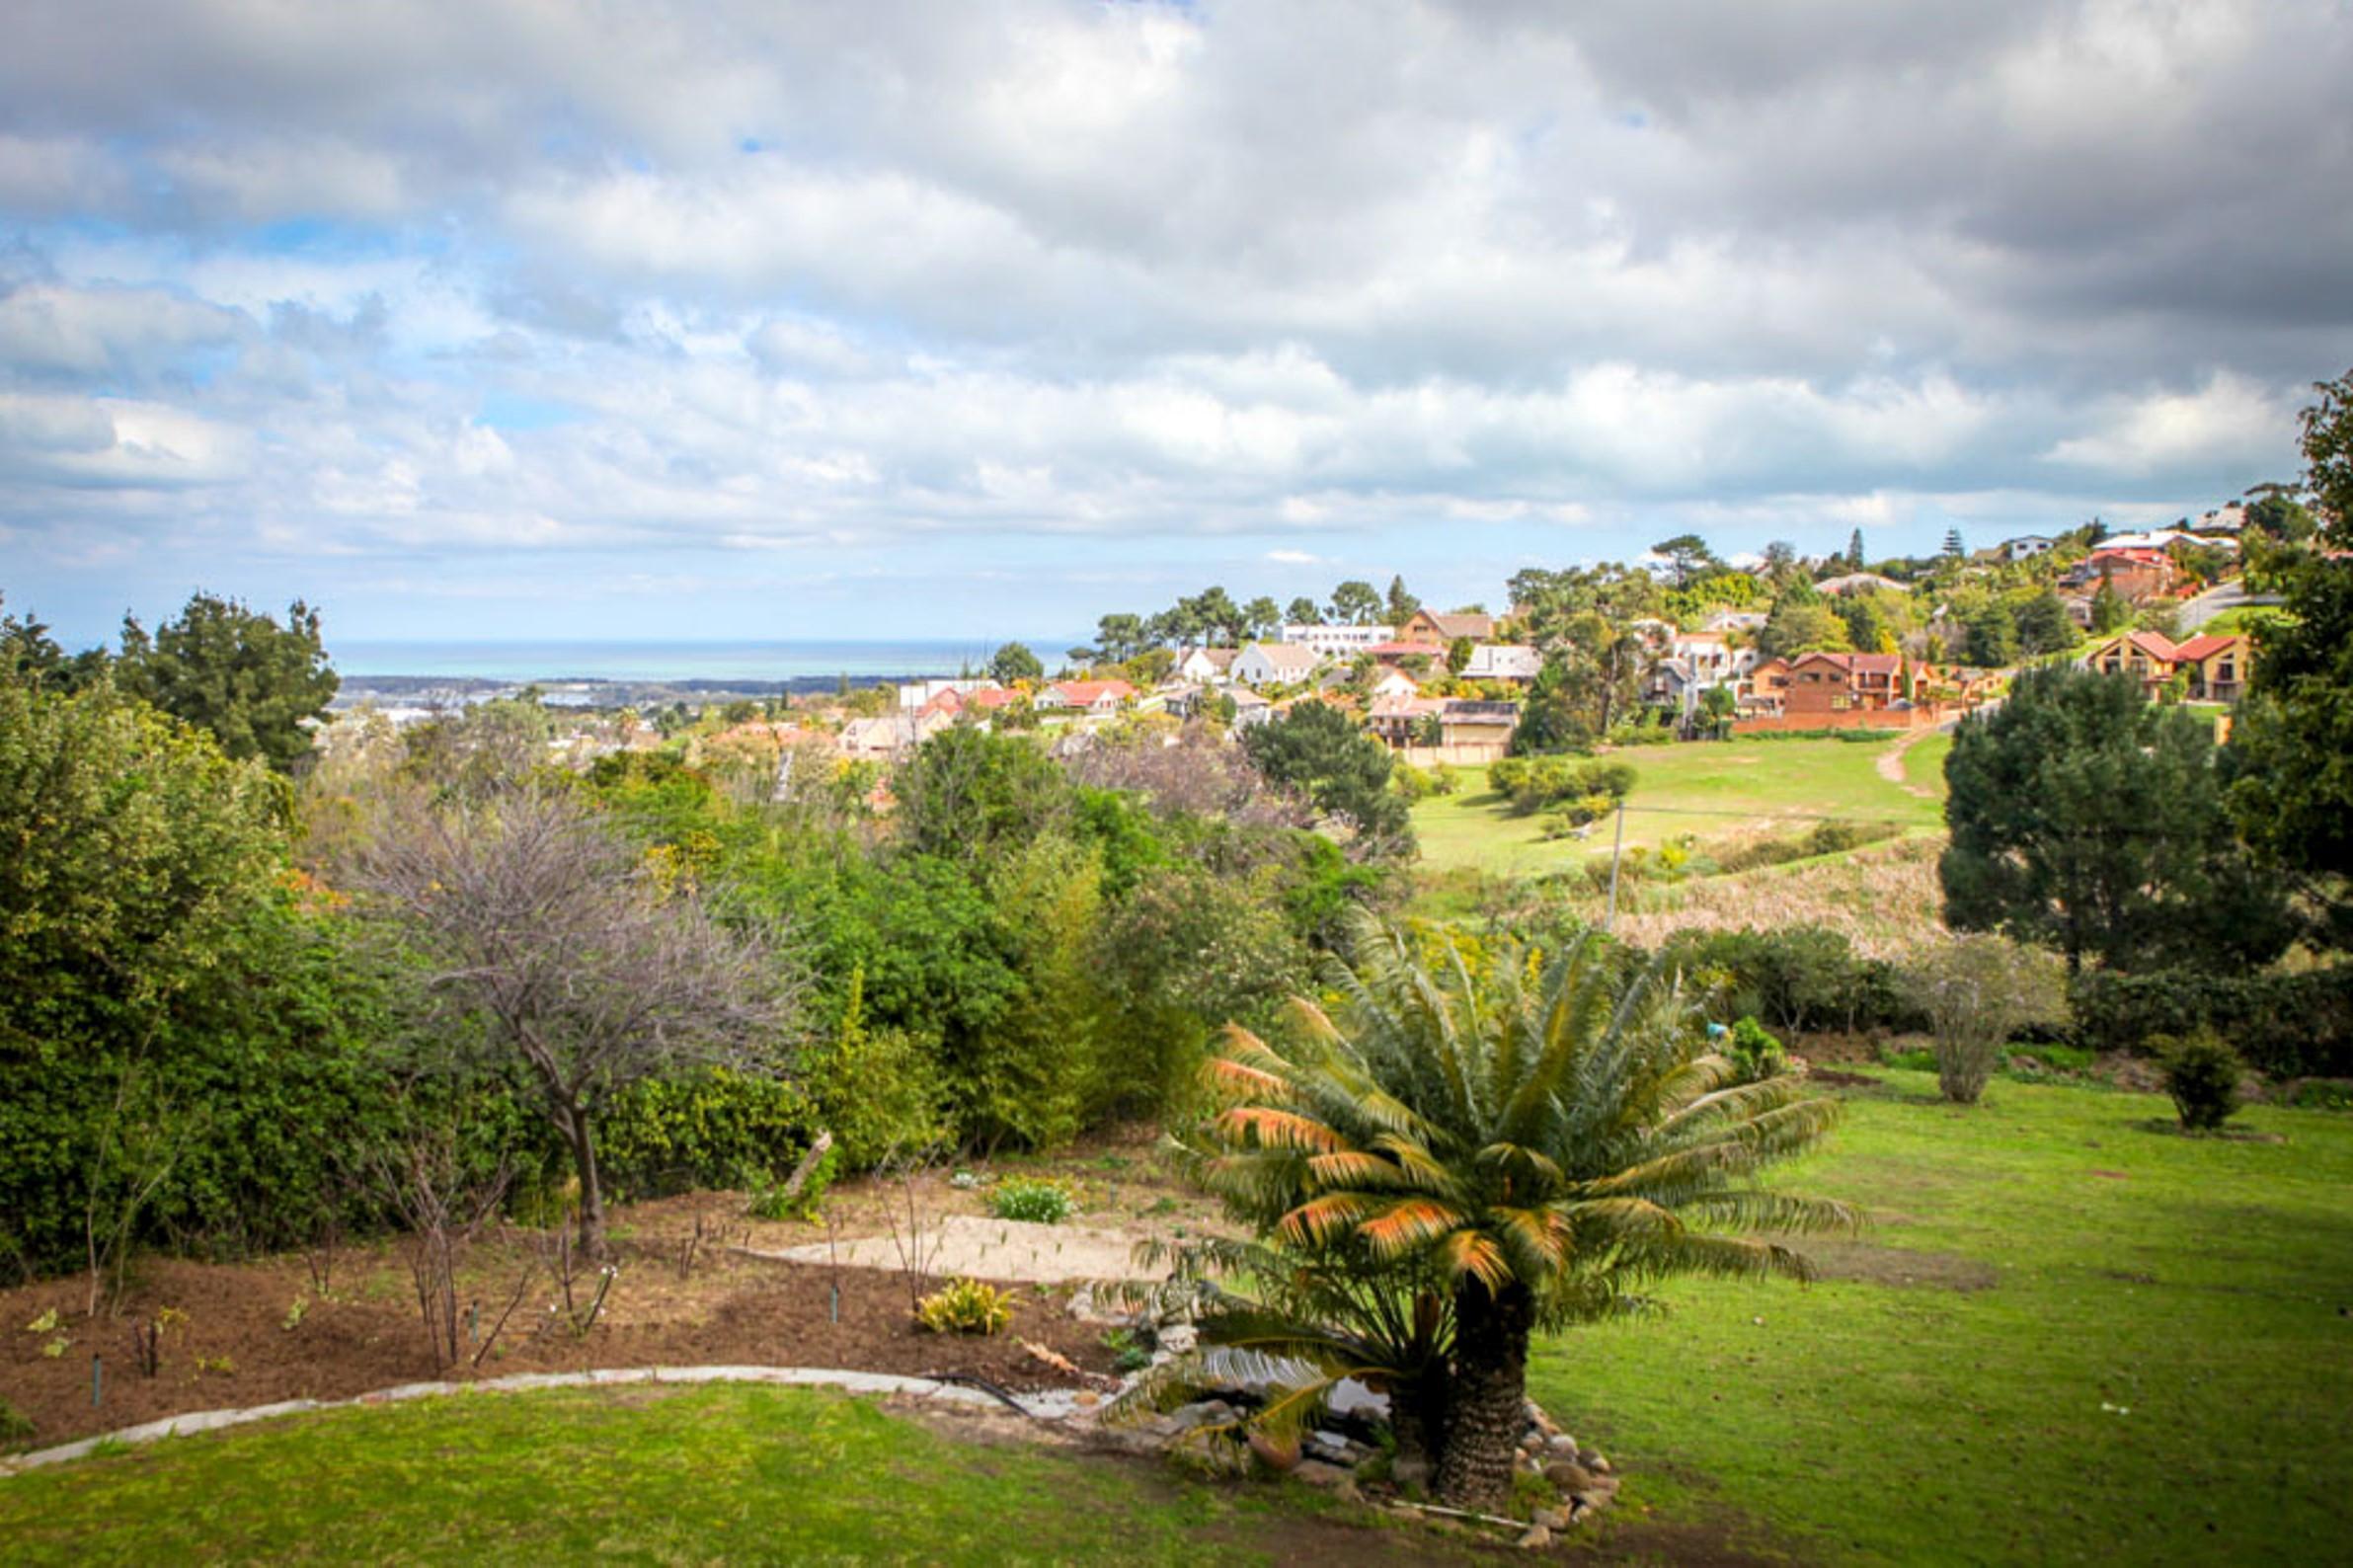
(1273, 1456)
(1088, 1397)
(1596, 1464)
(1315, 1472)
(1561, 1442)
(1179, 1339)
(1536, 1539)
(1588, 1500)
(1567, 1475)
(1550, 1517)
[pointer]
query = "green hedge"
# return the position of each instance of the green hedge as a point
(2286, 1025)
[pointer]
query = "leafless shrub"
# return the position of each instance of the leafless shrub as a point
(1978, 991)
(582, 1281)
(1196, 772)
(542, 936)
(444, 1206)
(914, 1231)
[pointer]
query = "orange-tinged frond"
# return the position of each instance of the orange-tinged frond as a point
(1414, 1223)
(1225, 1076)
(1318, 1219)
(1272, 1128)
(1350, 1167)
(1469, 1252)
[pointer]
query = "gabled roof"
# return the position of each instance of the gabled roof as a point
(1289, 656)
(2153, 644)
(1086, 693)
(1468, 624)
(2207, 645)
(1218, 657)
(1855, 664)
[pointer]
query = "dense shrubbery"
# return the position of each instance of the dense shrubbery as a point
(1796, 978)
(1533, 783)
(2287, 1025)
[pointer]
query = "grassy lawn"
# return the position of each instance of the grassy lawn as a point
(1713, 788)
(2120, 1346)
(2067, 1338)
(714, 1473)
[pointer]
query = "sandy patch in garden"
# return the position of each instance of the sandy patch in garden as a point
(987, 1249)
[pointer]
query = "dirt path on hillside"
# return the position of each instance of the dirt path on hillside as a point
(1890, 764)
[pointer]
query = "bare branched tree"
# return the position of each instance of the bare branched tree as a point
(540, 935)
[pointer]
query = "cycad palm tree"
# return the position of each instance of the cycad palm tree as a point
(1471, 1148)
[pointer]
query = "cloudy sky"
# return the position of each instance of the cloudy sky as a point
(515, 318)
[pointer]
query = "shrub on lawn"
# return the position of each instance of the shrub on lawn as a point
(1794, 977)
(2202, 1075)
(1534, 782)
(965, 1307)
(1042, 1202)
(1754, 1052)
(1978, 991)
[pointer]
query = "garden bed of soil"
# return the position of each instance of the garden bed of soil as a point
(227, 1340)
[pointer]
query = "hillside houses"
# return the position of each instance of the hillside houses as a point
(1280, 664)
(2212, 668)
(1433, 630)
(1504, 662)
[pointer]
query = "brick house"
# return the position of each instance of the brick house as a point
(1841, 682)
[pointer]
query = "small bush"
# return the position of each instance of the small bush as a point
(766, 1198)
(1978, 991)
(2202, 1075)
(1044, 1202)
(16, 1427)
(1754, 1052)
(965, 1307)
(1535, 782)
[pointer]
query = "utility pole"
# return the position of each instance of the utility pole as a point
(1617, 850)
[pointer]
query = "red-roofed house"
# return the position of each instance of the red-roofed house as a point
(2216, 665)
(2145, 656)
(2135, 574)
(1841, 682)
(1095, 698)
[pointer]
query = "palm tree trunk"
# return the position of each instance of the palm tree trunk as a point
(1486, 1406)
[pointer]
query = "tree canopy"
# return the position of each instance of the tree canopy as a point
(257, 685)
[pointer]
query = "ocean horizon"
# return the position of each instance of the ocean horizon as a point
(360, 659)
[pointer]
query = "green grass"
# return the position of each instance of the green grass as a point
(651, 1475)
(2201, 1285)
(2152, 1364)
(1715, 789)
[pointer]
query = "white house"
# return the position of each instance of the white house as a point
(1206, 666)
(1276, 664)
(1503, 662)
(919, 693)
(1336, 642)
(1735, 621)
(2026, 546)
(1394, 684)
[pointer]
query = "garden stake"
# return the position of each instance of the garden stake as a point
(97, 1379)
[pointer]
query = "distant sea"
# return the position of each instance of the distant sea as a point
(671, 661)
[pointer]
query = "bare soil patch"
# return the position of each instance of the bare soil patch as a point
(1860, 1260)
(226, 1342)
(985, 1248)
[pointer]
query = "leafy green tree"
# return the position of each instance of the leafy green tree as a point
(1402, 605)
(1342, 770)
(2283, 516)
(1458, 654)
(1686, 555)
(1801, 625)
(2290, 751)
(1854, 551)
(1261, 618)
(1865, 622)
(1302, 611)
(1474, 1147)
(29, 656)
(2044, 625)
(257, 685)
(1119, 636)
(1354, 603)
(1014, 662)
(2109, 611)
(970, 795)
(1989, 638)
(2088, 819)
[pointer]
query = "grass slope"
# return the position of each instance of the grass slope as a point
(1711, 789)
(706, 1475)
(2199, 1286)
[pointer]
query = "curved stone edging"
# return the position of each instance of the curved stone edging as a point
(217, 1420)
